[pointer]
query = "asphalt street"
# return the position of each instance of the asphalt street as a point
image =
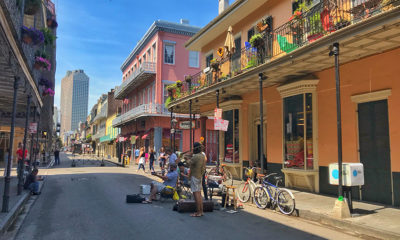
(88, 202)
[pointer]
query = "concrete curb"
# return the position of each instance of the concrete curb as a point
(118, 164)
(345, 224)
(19, 206)
(14, 212)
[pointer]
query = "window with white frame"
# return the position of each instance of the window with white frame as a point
(193, 59)
(165, 92)
(169, 53)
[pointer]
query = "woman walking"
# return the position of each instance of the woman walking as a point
(152, 158)
(162, 159)
(142, 160)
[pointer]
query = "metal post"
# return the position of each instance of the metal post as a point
(31, 149)
(170, 131)
(194, 127)
(190, 124)
(217, 94)
(335, 52)
(22, 161)
(37, 143)
(261, 77)
(7, 179)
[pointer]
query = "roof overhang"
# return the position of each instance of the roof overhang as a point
(219, 25)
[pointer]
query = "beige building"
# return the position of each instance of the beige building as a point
(74, 100)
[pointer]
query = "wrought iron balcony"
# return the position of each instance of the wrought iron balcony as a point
(100, 133)
(140, 111)
(303, 29)
(145, 71)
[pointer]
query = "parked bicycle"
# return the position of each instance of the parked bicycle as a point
(272, 195)
(246, 189)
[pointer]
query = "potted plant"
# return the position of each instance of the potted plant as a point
(52, 23)
(257, 40)
(31, 35)
(32, 6)
(214, 65)
(46, 83)
(48, 91)
(188, 79)
(49, 38)
(42, 63)
(316, 31)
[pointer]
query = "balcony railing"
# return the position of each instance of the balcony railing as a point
(100, 133)
(140, 111)
(16, 12)
(145, 70)
(319, 21)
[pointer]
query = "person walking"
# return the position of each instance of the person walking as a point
(162, 159)
(152, 158)
(57, 157)
(142, 160)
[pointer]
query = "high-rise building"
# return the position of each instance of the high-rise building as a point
(74, 100)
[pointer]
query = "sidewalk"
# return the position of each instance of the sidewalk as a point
(379, 221)
(16, 202)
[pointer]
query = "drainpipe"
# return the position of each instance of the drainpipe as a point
(31, 149)
(37, 143)
(7, 179)
(21, 162)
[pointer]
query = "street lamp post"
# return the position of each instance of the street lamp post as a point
(170, 132)
(190, 124)
(7, 179)
(335, 52)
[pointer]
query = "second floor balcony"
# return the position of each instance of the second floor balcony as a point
(144, 110)
(100, 133)
(298, 47)
(145, 71)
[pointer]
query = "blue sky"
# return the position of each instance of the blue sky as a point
(98, 35)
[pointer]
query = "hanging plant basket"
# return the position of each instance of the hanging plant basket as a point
(32, 6)
(52, 23)
(215, 66)
(31, 36)
(257, 41)
(188, 79)
(179, 84)
(42, 64)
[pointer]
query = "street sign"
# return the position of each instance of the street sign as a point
(185, 125)
(221, 124)
(32, 128)
(218, 113)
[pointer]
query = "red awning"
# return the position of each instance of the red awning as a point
(145, 136)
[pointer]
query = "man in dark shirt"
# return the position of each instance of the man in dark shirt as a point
(57, 157)
(32, 183)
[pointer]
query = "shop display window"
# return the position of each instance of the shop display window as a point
(298, 128)
(231, 137)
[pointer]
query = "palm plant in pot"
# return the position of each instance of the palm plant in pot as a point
(32, 6)
(49, 38)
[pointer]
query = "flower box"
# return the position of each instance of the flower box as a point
(31, 36)
(42, 63)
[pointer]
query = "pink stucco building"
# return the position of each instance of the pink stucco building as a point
(158, 59)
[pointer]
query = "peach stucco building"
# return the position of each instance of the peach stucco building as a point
(158, 60)
(299, 94)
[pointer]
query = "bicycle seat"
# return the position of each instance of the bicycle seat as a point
(259, 175)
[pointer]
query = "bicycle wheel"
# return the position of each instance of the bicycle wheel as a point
(261, 197)
(244, 192)
(285, 202)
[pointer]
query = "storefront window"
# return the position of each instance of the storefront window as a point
(298, 131)
(231, 136)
